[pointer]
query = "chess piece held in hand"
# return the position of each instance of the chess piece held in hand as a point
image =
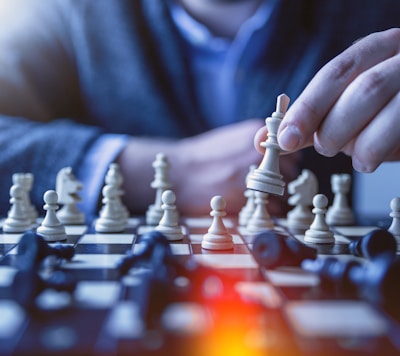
(267, 178)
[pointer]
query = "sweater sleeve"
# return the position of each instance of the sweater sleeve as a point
(43, 126)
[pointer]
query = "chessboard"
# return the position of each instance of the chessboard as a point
(262, 297)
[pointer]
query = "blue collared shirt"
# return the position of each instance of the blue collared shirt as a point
(219, 64)
(219, 67)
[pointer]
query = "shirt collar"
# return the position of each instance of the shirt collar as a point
(198, 35)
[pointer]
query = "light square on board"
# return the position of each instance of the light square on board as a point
(292, 277)
(219, 260)
(97, 293)
(10, 238)
(96, 261)
(331, 318)
(12, 319)
(107, 239)
(75, 229)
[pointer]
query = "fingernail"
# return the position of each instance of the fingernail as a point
(361, 167)
(289, 138)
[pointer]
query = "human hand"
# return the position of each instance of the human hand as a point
(351, 105)
(213, 163)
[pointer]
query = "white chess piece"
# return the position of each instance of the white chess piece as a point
(110, 219)
(168, 224)
(25, 180)
(319, 231)
(260, 220)
(217, 237)
(115, 178)
(51, 228)
(68, 188)
(17, 219)
(339, 213)
(267, 178)
(160, 183)
(247, 211)
(302, 191)
(394, 227)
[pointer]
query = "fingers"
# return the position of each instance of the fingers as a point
(319, 98)
(260, 136)
(358, 106)
(378, 141)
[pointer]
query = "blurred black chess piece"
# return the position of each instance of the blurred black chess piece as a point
(33, 249)
(272, 250)
(376, 280)
(28, 282)
(154, 262)
(373, 244)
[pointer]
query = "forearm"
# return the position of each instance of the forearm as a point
(42, 149)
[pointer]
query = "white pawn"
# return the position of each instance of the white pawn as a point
(217, 237)
(110, 219)
(319, 231)
(17, 219)
(51, 228)
(394, 228)
(340, 213)
(260, 220)
(168, 224)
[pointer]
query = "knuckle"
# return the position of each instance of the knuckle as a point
(341, 68)
(370, 84)
(392, 35)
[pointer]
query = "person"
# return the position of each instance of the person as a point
(85, 83)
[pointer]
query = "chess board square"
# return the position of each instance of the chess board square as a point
(219, 260)
(332, 319)
(102, 248)
(106, 239)
(94, 294)
(75, 229)
(143, 229)
(356, 231)
(7, 274)
(124, 321)
(176, 248)
(12, 318)
(261, 292)
(291, 277)
(89, 261)
(10, 238)
(186, 318)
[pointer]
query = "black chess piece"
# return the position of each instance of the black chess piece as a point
(272, 250)
(153, 250)
(27, 285)
(154, 253)
(376, 281)
(32, 249)
(373, 244)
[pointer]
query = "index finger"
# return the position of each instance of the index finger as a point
(309, 110)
